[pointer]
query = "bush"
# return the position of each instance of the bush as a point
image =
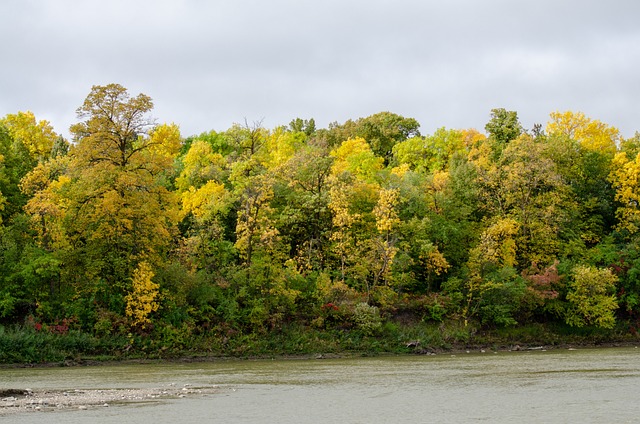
(367, 319)
(591, 298)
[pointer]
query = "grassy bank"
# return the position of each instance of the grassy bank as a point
(20, 345)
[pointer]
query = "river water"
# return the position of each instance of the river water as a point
(559, 386)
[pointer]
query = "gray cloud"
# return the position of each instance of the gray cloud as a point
(208, 64)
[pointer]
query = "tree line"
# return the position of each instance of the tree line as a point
(131, 227)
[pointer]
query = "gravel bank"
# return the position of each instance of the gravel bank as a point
(14, 401)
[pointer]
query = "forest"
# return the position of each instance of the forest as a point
(131, 237)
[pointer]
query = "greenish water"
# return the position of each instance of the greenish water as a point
(582, 386)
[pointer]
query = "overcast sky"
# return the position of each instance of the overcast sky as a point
(208, 64)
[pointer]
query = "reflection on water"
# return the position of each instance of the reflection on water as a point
(552, 387)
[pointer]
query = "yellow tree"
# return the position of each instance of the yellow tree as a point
(116, 207)
(591, 297)
(591, 134)
(387, 222)
(356, 157)
(142, 299)
(353, 195)
(205, 201)
(46, 186)
(254, 228)
(625, 177)
(524, 184)
(37, 136)
(343, 220)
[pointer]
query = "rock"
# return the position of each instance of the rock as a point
(10, 399)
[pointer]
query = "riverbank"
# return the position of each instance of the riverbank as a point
(23, 348)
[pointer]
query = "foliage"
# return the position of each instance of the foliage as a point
(591, 298)
(142, 300)
(367, 318)
(240, 239)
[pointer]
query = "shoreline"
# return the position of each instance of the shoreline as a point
(417, 351)
(17, 401)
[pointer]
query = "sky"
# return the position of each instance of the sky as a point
(210, 64)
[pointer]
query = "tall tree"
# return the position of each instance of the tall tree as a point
(504, 125)
(116, 208)
(583, 150)
(382, 131)
(524, 184)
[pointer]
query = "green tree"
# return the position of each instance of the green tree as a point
(504, 125)
(591, 299)
(306, 126)
(429, 153)
(583, 150)
(382, 131)
(302, 200)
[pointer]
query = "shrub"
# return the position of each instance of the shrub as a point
(367, 318)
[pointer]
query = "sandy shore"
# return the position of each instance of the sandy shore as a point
(14, 401)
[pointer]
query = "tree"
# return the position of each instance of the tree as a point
(625, 176)
(385, 129)
(583, 150)
(206, 203)
(2, 198)
(117, 168)
(142, 300)
(524, 184)
(114, 208)
(504, 125)
(384, 242)
(305, 218)
(591, 298)
(382, 131)
(247, 139)
(37, 136)
(114, 128)
(431, 153)
(493, 289)
(306, 126)
(356, 157)
(24, 143)
(254, 228)
(591, 134)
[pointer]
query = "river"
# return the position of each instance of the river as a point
(558, 386)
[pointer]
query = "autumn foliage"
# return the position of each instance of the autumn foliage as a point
(131, 226)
